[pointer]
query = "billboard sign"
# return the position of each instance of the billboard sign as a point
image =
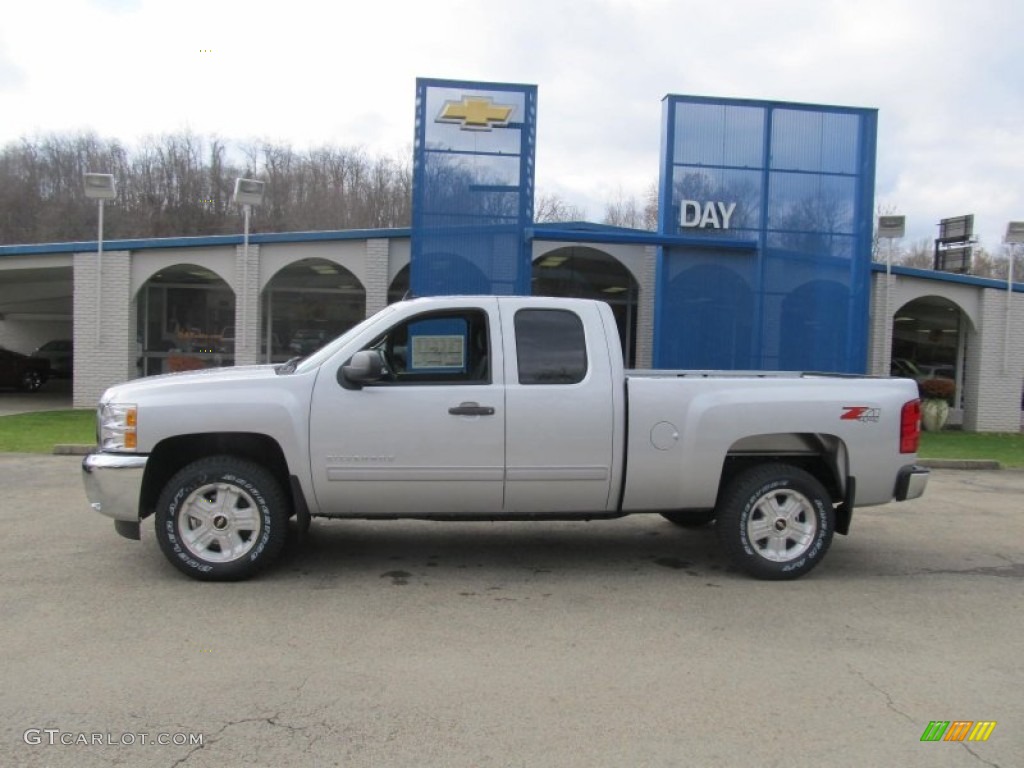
(959, 229)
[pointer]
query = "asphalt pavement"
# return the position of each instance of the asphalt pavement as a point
(620, 643)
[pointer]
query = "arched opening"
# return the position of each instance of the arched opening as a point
(305, 305)
(929, 341)
(708, 320)
(186, 317)
(587, 273)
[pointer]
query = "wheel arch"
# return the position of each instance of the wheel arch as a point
(823, 456)
(170, 455)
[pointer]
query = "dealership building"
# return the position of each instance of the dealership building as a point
(761, 261)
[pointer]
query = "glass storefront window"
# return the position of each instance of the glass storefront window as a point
(186, 321)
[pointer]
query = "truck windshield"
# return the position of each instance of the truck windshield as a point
(326, 351)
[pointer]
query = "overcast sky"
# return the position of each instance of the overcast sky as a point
(947, 78)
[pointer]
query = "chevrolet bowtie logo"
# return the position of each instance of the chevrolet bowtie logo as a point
(475, 113)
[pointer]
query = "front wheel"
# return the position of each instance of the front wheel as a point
(221, 519)
(775, 521)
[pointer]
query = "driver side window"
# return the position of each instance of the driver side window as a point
(446, 347)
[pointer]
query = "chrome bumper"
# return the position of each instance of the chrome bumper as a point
(113, 484)
(911, 483)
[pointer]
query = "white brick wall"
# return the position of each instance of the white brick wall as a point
(246, 285)
(104, 325)
(645, 310)
(880, 324)
(995, 366)
(377, 268)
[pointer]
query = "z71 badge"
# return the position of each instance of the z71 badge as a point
(860, 413)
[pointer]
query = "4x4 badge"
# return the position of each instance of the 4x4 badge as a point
(860, 413)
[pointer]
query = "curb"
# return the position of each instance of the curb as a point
(959, 463)
(73, 450)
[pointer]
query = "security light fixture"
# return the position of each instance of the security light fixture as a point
(892, 227)
(248, 192)
(100, 186)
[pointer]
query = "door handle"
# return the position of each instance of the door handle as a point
(471, 409)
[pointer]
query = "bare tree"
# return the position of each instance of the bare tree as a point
(552, 207)
(920, 255)
(1016, 254)
(624, 211)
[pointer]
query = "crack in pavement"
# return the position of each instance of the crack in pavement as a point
(273, 720)
(888, 699)
(978, 757)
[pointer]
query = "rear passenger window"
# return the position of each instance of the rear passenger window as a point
(550, 347)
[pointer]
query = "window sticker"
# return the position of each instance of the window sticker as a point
(438, 352)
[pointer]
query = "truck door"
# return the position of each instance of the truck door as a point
(429, 437)
(560, 409)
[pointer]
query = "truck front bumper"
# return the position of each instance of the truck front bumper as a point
(113, 485)
(911, 482)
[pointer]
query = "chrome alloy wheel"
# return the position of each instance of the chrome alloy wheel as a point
(219, 523)
(782, 525)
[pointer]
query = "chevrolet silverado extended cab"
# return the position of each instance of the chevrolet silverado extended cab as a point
(486, 408)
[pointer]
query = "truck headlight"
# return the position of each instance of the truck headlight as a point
(117, 426)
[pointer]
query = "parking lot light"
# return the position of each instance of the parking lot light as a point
(248, 192)
(99, 187)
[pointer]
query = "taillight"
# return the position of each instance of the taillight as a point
(910, 426)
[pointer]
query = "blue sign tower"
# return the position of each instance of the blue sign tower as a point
(796, 182)
(473, 171)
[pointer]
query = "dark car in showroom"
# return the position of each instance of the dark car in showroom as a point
(22, 371)
(60, 353)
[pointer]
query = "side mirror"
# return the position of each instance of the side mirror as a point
(365, 367)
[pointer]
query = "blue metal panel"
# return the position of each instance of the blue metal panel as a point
(705, 309)
(473, 168)
(798, 180)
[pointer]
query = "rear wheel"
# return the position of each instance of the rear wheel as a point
(775, 521)
(221, 519)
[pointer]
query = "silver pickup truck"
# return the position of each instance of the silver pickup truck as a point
(486, 408)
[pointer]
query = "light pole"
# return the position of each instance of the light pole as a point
(99, 187)
(889, 228)
(1013, 237)
(248, 192)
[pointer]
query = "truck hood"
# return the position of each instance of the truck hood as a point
(193, 381)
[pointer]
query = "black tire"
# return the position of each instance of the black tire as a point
(689, 518)
(30, 381)
(775, 521)
(222, 519)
